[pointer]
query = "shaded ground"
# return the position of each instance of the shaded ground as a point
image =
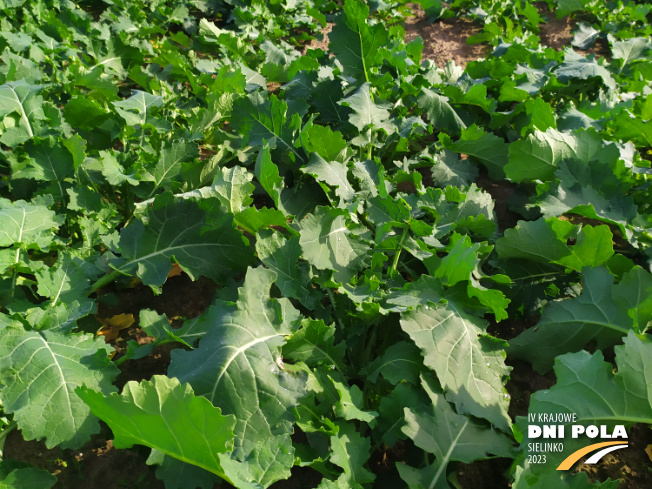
(97, 465)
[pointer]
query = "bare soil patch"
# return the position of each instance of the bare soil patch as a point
(558, 33)
(444, 40)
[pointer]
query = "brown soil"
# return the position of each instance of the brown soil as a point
(321, 40)
(557, 33)
(444, 40)
(97, 465)
(632, 465)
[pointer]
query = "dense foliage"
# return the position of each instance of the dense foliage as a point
(333, 197)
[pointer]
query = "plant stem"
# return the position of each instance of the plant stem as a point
(7, 429)
(332, 299)
(107, 279)
(392, 269)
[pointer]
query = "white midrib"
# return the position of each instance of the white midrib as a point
(447, 457)
(63, 381)
(22, 110)
(63, 281)
(235, 354)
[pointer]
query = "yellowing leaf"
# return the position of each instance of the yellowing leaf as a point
(112, 326)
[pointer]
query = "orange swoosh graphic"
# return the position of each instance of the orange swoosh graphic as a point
(575, 456)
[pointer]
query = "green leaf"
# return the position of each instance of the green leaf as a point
(474, 95)
(630, 50)
(587, 386)
(350, 451)
(25, 478)
(64, 282)
(141, 109)
(577, 66)
(331, 173)
(328, 243)
(524, 479)
(27, 225)
(367, 115)
(594, 247)
(596, 393)
(39, 372)
(259, 120)
(565, 7)
(158, 326)
(634, 294)
(487, 148)
(267, 174)
(330, 145)
(438, 429)
(545, 241)
(461, 261)
(538, 156)
(355, 43)
(165, 415)
(469, 364)
(179, 230)
(629, 128)
(114, 172)
(350, 405)
(234, 188)
(85, 113)
(392, 410)
(50, 162)
(282, 256)
(400, 362)
(314, 344)
(440, 114)
(449, 169)
(584, 35)
(169, 165)
(569, 325)
(22, 100)
(532, 240)
(176, 474)
(238, 367)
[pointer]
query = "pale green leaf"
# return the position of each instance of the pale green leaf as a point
(469, 364)
(40, 371)
(238, 367)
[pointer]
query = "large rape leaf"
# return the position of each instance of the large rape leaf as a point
(588, 388)
(39, 372)
(238, 367)
(539, 156)
(21, 100)
(357, 44)
(179, 229)
(587, 385)
(603, 313)
(468, 362)
(15, 476)
(167, 416)
(438, 429)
